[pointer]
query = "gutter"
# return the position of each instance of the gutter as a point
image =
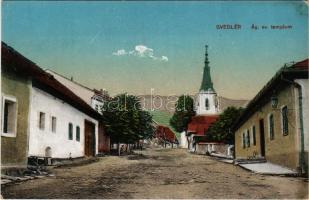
(303, 167)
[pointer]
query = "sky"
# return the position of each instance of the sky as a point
(136, 46)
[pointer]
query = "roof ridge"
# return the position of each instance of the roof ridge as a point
(63, 76)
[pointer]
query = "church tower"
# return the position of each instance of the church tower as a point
(207, 101)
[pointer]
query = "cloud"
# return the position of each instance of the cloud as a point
(120, 52)
(164, 58)
(141, 51)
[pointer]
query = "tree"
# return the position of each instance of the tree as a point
(220, 130)
(125, 121)
(184, 110)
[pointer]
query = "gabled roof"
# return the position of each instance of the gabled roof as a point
(297, 70)
(165, 133)
(199, 124)
(81, 85)
(13, 60)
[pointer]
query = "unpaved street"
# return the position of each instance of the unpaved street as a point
(158, 173)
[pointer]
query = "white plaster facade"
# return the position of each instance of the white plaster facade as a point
(207, 103)
(183, 140)
(58, 141)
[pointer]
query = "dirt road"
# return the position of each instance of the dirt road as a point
(158, 173)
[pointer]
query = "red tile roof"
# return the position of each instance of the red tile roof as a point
(165, 133)
(200, 124)
(301, 65)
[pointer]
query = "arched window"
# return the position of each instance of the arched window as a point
(207, 104)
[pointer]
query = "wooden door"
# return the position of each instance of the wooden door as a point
(89, 138)
(262, 137)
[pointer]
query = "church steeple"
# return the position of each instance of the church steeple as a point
(206, 82)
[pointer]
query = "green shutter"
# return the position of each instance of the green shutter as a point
(70, 131)
(77, 133)
(253, 134)
(285, 125)
(271, 127)
(248, 136)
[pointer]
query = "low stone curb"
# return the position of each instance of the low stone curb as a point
(271, 174)
(5, 179)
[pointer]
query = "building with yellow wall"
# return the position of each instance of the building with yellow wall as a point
(272, 126)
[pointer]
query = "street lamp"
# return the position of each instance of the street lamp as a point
(274, 101)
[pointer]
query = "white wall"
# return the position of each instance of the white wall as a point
(59, 142)
(191, 147)
(201, 106)
(305, 92)
(183, 140)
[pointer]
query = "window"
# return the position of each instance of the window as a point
(271, 126)
(248, 138)
(207, 104)
(53, 124)
(216, 102)
(70, 131)
(42, 120)
(253, 135)
(285, 122)
(77, 133)
(243, 140)
(9, 116)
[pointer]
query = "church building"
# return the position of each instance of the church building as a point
(207, 110)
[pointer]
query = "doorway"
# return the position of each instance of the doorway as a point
(262, 137)
(89, 138)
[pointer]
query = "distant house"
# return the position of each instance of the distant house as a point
(42, 117)
(93, 97)
(165, 136)
(275, 125)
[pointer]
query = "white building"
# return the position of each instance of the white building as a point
(94, 98)
(61, 124)
(183, 140)
(57, 129)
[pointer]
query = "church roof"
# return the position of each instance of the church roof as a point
(199, 124)
(206, 81)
